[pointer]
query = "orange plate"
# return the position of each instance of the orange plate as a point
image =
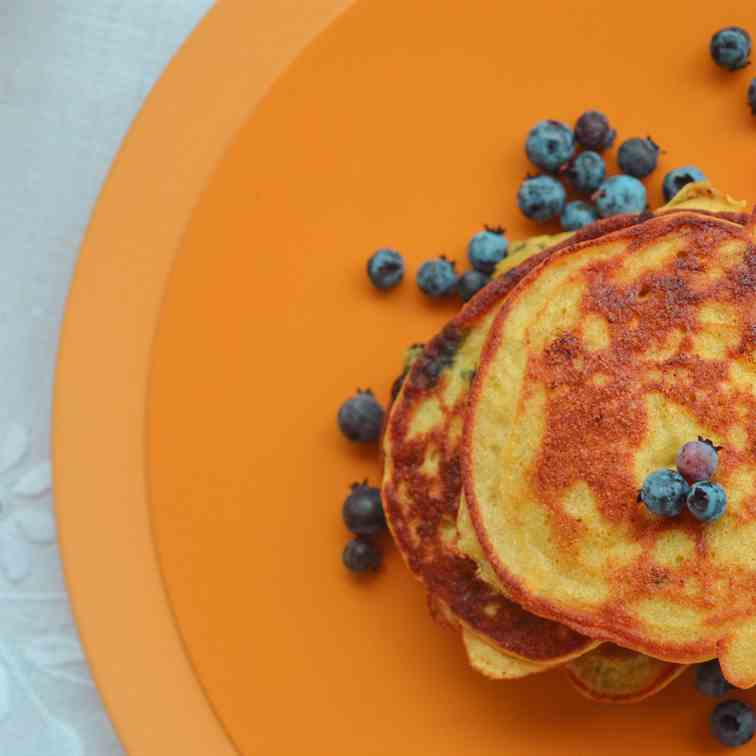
(401, 125)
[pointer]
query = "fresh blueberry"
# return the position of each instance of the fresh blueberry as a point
(470, 283)
(707, 501)
(697, 460)
(620, 194)
(361, 417)
(385, 269)
(541, 198)
(437, 278)
(638, 157)
(577, 214)
(710, 680)
(550, 144)
(752, 96)
(593, 131)
(363, 510)
(487, 249)
(586, 172)
(677, 178)
(731, 48)
(664, 493)
(732, 723)
(361, 556)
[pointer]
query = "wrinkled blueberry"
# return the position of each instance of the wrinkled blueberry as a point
(593, 131)
(731, 47)
(541, 198)
(707, 501)
(620, 194)
(586, 172)
(385, 269)
(677, 178)
(577, 214)
(487, 249)
(664, 493)
(550, 144)
(437, 278)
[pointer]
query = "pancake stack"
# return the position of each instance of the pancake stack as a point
(523, 431)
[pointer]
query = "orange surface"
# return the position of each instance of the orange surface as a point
(402, 125)
(99, 440)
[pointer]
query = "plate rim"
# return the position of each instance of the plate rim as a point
(110, 564)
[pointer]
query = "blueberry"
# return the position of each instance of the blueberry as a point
(437, 278)
(361, 556)
(752, 96)
(577, 214)
(385, 269)
(707, 501)
(361, 417)
(541, 198)
(470, 283)
(363, 510)
(487, 249)
(710, 680)
(732, 723)
(664, 493)
(697, 460)
(731, 47)
(550, 144)
(586, 172)
(638, 157)
(620, 194)
(593, 131)
(677, 178)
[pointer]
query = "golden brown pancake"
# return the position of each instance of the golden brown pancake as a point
(611, 674)
(600, 365)
(422, 483)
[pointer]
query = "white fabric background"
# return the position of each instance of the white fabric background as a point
(73, 74)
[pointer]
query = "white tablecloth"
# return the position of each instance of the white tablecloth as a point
(73, 74)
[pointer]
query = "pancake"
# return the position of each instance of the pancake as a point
(703, 198)
(699, 196)
(422, 482)
(611, 674)
(482, 656)
(601, 363)
(494, 664)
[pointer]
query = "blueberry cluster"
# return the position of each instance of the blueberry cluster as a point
(363, 516)
(668, 492)
(553, 147)
(438, 278)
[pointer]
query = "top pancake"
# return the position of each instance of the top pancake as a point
(599, 366)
